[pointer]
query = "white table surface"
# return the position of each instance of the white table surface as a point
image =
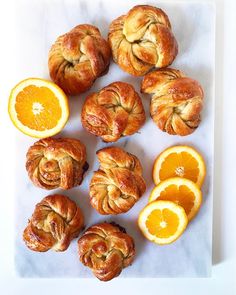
(223, 273)
(189, 256)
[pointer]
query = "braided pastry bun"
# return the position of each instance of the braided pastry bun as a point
(55, 222)
(78, 58)
(56, 163)
(106, 249)
(142, 39)
(113, 112)
(118, 184)
(176, 102)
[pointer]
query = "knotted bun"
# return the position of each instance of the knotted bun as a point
(56, 163)
(118, 184)
(142, 39)
(55, 222)
(177, 100)
(115, 111)
(106, 249)
(78, 58)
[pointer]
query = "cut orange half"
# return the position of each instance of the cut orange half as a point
(162, 222)
(181, 191)
(38, 108)
(179, 161)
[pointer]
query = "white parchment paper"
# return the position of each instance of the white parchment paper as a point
(38, 24)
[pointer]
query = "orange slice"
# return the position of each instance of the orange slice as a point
(181, 191)
(38, 108)
(180, 161)
(162, 222)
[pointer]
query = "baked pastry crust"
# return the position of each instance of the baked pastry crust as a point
(118, 184)
(115, 111)
(142, 39)
(56, 163)
(176, 102)
(106, 249)
(55, 222)
(78, 58)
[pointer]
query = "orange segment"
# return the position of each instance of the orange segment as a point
(181, 191)
(38, 107)
(180, 161)
(162, 222)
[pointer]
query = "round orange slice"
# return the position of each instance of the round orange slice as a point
(181, 191)
(38, 108)
(162, 222)
(179, 161)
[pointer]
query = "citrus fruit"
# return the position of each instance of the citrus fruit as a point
(38, 108)
(180, 161)
(182, 191)
(162, 222)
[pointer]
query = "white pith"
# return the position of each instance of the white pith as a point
(37, 108)
(179, 171)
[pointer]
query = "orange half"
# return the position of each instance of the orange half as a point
(38, 108)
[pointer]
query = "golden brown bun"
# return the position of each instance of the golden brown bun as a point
(142, 39)
(78, 58)
(55, 222)
(114, 111)
(118, 184)
(56, 163)
(176, 102)
(106, 249)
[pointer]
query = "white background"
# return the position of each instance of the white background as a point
(224, 231)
